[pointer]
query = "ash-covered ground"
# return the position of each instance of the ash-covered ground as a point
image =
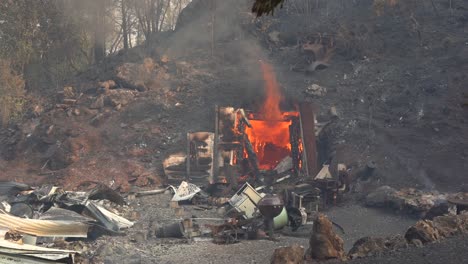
(142, 246)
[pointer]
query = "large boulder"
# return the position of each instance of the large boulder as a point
(451, 225)
(409, 200)
(288, 255)
(140, 76)
(324, 243)
(440, 227)
(382, 196)
(442, 208)
(119, 97)
(196, 9)
(424, 231)
(369, 246)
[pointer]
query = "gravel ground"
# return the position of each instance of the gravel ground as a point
(141, 246)
(452, 250)
(358, 221)
(258, 251)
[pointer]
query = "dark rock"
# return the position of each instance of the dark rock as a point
(195, 9)
(382, 196)
(438, 210)
(98, 103)
(368, 246)
(451, 225)
(423, 230)
(22, 210)
(13, 188)
(60, 158)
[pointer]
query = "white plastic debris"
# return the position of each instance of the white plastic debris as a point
(186, 191)
(324, 173)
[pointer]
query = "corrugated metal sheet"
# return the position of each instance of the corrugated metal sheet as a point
(15, 253)
(44, 228)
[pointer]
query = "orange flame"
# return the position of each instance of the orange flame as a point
(271, 108)
(270, 136)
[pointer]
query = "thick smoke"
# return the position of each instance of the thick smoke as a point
(236, 47)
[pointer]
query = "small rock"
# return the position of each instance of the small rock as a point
(119, 250)
(68, 92)
(91, 112)
(138, 237)
(316, 90)
(333, 111)
(417, 243)
(118, 97)
(274, 36)
(107, 85)
(106, 250)
(98, 103)
(288, 255)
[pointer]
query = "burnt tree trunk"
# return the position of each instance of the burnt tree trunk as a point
(125, 32)
(99, 46)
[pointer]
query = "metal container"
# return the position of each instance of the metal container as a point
(173, 230)
(281, 220)
(246, 200)
(270, 206)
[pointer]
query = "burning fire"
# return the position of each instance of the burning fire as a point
(269, 134)
(271, 108)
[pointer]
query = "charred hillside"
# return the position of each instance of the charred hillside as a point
(332, 110)
(393, 73)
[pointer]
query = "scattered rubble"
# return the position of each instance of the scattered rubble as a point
(40, 216)
(185, 192)
(11, 252)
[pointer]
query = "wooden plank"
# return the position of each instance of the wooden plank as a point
(307, 121)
